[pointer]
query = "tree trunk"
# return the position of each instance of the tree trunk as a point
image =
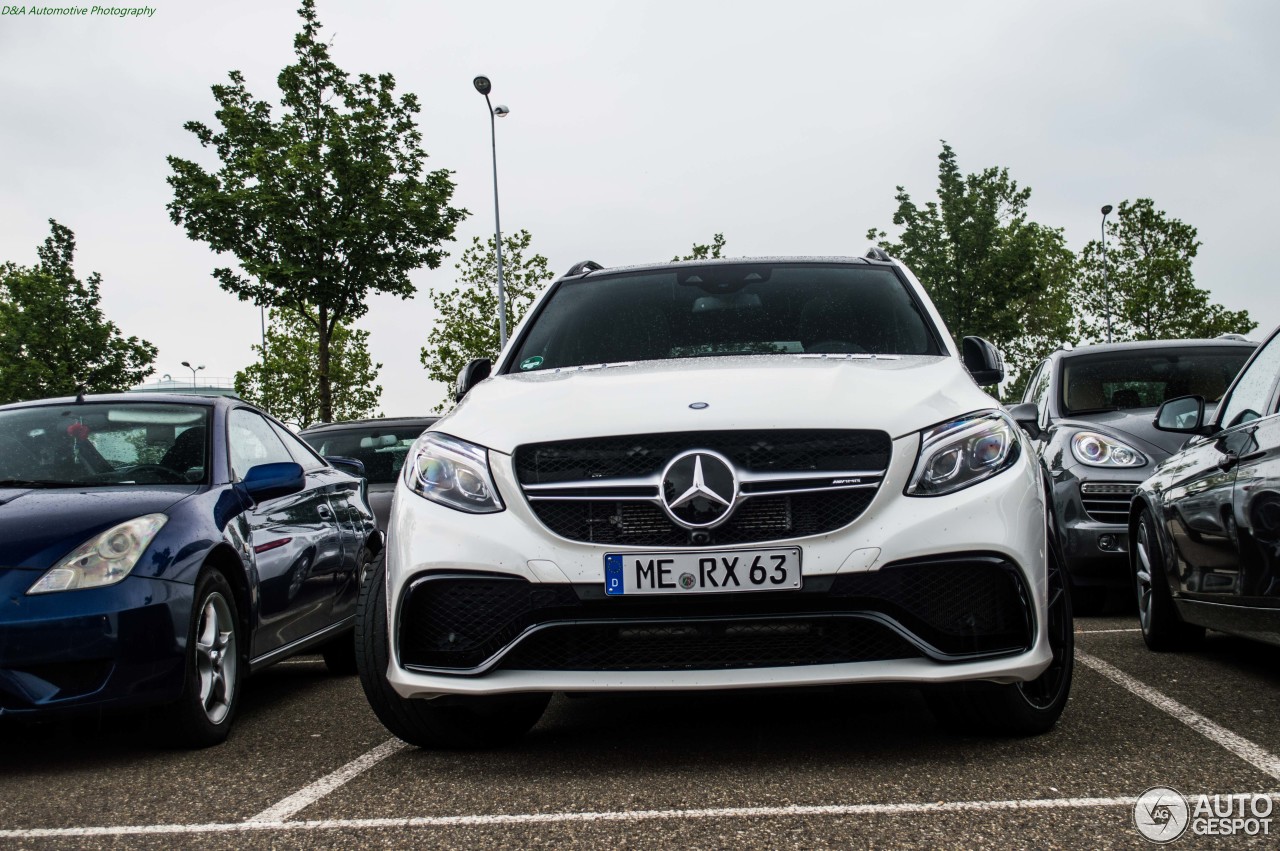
(322, 351)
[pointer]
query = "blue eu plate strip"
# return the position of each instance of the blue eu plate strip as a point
(613, 575)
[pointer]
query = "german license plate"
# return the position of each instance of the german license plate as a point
(702, 573)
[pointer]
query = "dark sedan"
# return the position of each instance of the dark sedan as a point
(156, 548)
(1206, 525)
(381, 445)
(1091, 412)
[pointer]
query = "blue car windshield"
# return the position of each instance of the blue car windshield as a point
(104, 443)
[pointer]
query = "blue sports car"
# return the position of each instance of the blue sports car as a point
(155, 548)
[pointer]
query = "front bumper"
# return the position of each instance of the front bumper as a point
(1002, 519)
(1092, 508)
(98, 648)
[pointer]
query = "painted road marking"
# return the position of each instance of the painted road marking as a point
(1250, 752)
(308, 795)
(567, 817)
(1098, 631)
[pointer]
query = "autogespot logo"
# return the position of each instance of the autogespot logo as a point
(1163, 814)
(699, 489)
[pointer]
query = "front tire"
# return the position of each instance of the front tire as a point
(1162, 627)
(469, 723)
(1019, 709)
(202, 716)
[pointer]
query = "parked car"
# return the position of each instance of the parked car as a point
(381, 445)
(719, 474)
(1206, 524)
(1091, 413)
(155, 548)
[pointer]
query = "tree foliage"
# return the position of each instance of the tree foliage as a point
(53, 336)
(467, 315)
(713, 251)
(322, 205)
(283, 381)
(1149, 289)
(990, 270)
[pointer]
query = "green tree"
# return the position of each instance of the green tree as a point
(714, 251)
(990, 270)
(283, 381)
(53, 336)
(321, 206)
(1149, 289)
(467, 315)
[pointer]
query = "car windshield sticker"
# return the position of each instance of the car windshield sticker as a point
(531, 363)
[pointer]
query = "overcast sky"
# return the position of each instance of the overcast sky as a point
(637, 128)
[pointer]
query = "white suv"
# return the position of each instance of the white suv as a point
(715, 475)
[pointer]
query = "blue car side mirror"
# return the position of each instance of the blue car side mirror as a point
(268, 481)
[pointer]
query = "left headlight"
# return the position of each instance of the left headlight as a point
(452, 472)
(963, 452)
(1098, 450)
(104, 559)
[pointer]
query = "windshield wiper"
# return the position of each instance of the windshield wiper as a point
(47, 483)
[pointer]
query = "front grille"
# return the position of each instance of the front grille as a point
(589, 509)
(634, 456)
(1107, 502)
(763, 518)
(957, 607)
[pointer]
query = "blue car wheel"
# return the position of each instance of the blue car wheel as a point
(203, 714)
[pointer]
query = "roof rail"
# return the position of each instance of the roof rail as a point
(583, 267)
(1230, 336)
(875, 252)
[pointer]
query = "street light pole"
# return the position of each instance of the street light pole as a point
(1106, 285)
(193, 369)
(483, 86)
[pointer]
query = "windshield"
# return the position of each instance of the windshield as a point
(381, 448)
(733, 309)
(118, 443)
(1145, 378)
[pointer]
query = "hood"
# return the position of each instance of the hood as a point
(899, 396)
(39, 526)
(1135, 426)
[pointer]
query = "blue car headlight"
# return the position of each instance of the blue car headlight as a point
(453, 473)
(963, 452)
(104, 559)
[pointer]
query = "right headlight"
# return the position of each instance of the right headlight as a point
(963, 452)
(453, 473)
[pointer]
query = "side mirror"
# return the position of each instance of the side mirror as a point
(982, 360)
(350, 466)
(1184, 414)
(1027, 415)
(268, 481)
(471, 375)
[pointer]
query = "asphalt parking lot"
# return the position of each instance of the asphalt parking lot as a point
(309, 766)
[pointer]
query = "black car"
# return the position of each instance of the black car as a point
(1091, 413)
(156, 548)
(381, 445)
(1206, 525)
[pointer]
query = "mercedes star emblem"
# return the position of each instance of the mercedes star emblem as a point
(699, 489)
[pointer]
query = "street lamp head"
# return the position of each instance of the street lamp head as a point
(482, 84)
(187, 364)
(501, 110)
(1106, 209)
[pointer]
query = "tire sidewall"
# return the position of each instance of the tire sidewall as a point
(192, 726)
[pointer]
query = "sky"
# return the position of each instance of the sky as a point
(639, 128)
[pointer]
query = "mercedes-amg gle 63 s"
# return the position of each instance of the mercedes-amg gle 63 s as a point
(726, 474)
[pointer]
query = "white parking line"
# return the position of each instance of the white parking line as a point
(1250, 752)
(308, 795)
(1098, 631)
(578, 817)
